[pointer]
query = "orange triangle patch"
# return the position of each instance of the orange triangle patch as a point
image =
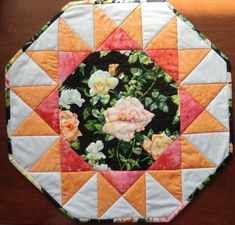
(50, 160)
(192, 157)
(33, 96)
(205, 123)
(69, 40)
(134, 30)
(166, 38)
(48, 61)
(107, 195)
(170, 180)
(103, 26)
(33, 125)
(189, 59)
(136, 195)
(72, 182)
(203, 93)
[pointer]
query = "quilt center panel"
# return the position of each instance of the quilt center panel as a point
(119, 110)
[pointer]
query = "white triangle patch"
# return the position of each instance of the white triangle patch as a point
(218, 107)
(48, 40)
(215, 146)
(188, 38)
(25, 72)
(155, 16)
(212, 69)
(19, 111)
(159, 202)
(27, 150)
(83, 204)
(116, 12)
(121, 209)
(193, 178)
(51, 182)
(80, 18)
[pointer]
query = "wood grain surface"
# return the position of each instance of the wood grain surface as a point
(20, 201)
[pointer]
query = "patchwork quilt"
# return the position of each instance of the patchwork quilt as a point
(119, 111)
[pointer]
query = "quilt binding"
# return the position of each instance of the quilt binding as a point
(37, 185)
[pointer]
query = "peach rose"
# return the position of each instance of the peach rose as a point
(125, 118)
(158, 144)
(69, 125)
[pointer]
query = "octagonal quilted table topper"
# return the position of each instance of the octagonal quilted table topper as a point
(119, 111)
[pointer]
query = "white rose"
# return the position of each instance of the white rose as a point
(69, 97)
(101, 82)
(93, 150)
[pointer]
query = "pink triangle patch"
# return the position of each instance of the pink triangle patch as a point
(167, 59)
(119, 40)
(71, 161)
(122, 180)
(68, 62)
(169, 159)
(189, 109)
(48, 110)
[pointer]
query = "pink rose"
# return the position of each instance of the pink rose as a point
(125, 118)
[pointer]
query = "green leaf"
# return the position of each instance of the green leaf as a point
(155, 93)
(175, 99)
(94, 100)
(94, 69)
(150, 133)
(133, 57)
(113, 102)
(86, 113)
(153, 107)
(95, 112)
(176, 120)
(128, 166)
(101, 118)
(145, 59)
(75, 145)
(99, 127)
(125, 145)
(149, 75)
(167, 78)
(164, 107)
(137, 150)
(148, 101)
(162, 98)
(104, 53)
(133, 82)
(109, 137)
(139, 137)
(122, 158)
(105, 99)
(90, 125)
(111, 152)
(81, 68)
(136, 71)
(167, 132)
(174, 85)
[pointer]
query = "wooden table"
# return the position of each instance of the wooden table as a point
(20, 201)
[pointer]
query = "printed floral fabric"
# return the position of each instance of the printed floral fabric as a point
(114, 104)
